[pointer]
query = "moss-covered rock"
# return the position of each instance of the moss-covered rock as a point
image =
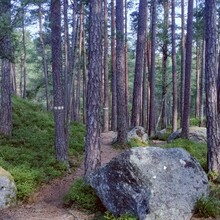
(7, 189)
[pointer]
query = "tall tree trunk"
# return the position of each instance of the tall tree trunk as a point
(13, 78)
(182, 89)
(212, 117)
(59, 111)
(164, 63)
(145, 73)
(25, 56)
(186, 112)
(85, 77)
(174, 74)
(198, 71)
(21, 78)
(152, 73)
(202, 80)
(44, 59)
(79, 72)
(141, 34)
(120, 74)
(6, 55)
(93, 127)
(126, 62)
(106, 93)
(113, 70)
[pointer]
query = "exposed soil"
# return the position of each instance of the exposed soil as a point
(46, 203)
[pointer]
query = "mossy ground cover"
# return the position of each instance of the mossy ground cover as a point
(29, 153)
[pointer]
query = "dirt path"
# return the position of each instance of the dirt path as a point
(46, 204)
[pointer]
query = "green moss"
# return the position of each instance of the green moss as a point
(29, 153)
(83, 196)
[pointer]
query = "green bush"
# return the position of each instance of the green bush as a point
(83, 196)
(109, 216)
(136, 143)
(207, 207)
(29, 153)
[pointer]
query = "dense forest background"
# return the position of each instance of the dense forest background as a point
(150, 56)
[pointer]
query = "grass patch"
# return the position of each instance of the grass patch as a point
(197, 150)
(109, 216)
(83, 196)
(29, 153)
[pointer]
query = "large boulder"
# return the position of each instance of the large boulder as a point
(151, 183)
(197, 134)
(7, 189)
(137, 133)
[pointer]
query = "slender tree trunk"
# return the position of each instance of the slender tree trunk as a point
(136, 104)
(120, 74)
(59, 111)
(113, 70)
(25, 57)
(198, 71)
(106, 90)
(44, 59)
(182, 89)
(21, 78)
(6, 57)
(186, 112)
(145, 74)
(212, 117)
(174, 74)
(126, 62)
(85, 77)
(13, 78)
(164, 63)
(202, 80)
(93, 127)
(79, 72)
(153, 72)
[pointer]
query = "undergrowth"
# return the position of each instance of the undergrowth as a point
(29, 153)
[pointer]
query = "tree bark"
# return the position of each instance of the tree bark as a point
(188, 65)
(182, 62)
(113, 70)
(174, 74)
(164, 63)
(93, 127)
(212, 117)
(106, 91)
(141, 36)
(6, 56)
(152, 72)
(44, 59)
(120, 74)
(59, 111)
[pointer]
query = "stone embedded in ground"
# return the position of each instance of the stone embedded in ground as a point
(7, 189)
(151, 183)
(137, 133)
(197, 134)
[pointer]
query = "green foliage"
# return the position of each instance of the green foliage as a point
(109, 216)
(207, 207)
(197, 150)
(136, 143)
(29, 154)
(83, 196)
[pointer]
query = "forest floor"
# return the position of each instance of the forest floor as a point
(47, 202)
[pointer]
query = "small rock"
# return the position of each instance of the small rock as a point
(7, 189)
(138, 133)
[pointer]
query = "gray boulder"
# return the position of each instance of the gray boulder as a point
(7, 189)
(161, 134)
(137, 133)
(197, 134)
(151, 183)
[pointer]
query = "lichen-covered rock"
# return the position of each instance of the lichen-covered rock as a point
(161, 134)
(137, 133)
(197, 134)
(7, 189)
(151, 183)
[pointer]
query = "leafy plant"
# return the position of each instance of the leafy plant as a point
(83, 196)
(207, 207)
(109, 216)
